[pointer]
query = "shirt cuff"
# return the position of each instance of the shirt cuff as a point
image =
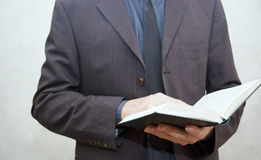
(118, 116)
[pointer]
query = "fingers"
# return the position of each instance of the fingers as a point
(167, 99)
(176, 133)
(190, 135)
(171, 133)
(144, 103)
(157, 99)
(199, 133)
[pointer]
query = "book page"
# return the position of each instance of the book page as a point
(187, 111)
(223, 101)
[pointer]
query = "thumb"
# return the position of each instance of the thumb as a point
(199, 133)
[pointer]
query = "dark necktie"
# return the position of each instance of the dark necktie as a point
(152, 49)
(153, 64)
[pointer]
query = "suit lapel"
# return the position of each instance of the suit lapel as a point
(174, 13)
(115, 11)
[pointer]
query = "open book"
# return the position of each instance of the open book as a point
(212, 109)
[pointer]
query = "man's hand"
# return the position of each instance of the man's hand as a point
(190, 135)
(141, 104)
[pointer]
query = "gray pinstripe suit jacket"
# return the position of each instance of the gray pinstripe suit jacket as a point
(93, 61)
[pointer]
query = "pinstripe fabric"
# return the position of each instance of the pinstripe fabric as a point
(173, 18)
(93, 61)
(117, 15)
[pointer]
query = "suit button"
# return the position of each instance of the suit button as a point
(140, 81)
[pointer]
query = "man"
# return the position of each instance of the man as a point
(107, 59)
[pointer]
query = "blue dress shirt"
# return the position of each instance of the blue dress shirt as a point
(135, 13)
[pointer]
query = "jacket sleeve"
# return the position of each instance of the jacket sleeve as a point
(58, 105)
(221, 73)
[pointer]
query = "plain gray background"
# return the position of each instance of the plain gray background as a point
(24, 26)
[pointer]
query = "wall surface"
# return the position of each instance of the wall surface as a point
(24, 26)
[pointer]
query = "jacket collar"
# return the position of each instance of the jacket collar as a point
(115, 11)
